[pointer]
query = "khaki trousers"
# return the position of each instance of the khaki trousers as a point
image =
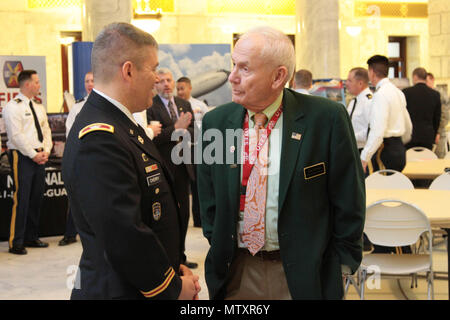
(252, 278)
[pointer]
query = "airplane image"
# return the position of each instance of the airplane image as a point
(207, 82)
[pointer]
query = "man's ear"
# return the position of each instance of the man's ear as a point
(279, 77)
(127, 70)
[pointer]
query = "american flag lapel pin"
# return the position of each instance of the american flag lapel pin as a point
(296, 136)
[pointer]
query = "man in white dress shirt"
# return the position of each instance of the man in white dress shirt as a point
(359, 107)
(184, 89)
(390, 124)
(29, 145)
(303, 81)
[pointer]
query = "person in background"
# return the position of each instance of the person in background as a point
(175, 115)
(184, 89)
(359, 107)
(303, 81)
(287, 222)
(390, 124)
(120, 190)
(424, 107)
(70, 235)
(29, 146)
(441, 137)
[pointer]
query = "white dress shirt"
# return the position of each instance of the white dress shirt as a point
(199, 108)
(74, 111)
(303, 91)
(389, 118)
(20, 127)
(361, 115)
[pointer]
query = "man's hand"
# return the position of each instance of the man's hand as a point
(185, 271)
(156, 128)
(183, 121)
(364, 165)
(41, 157)
(189, 288)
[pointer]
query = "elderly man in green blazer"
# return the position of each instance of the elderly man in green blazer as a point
(289, 232)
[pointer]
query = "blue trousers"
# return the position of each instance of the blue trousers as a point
(29, 188)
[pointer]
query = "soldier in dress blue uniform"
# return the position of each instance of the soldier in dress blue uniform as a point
(120, 192)
(29, 144)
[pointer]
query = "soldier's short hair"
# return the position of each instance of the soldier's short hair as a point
(361, 74)
(25, 75)
(380, 65)
(185, 80)
(117, 43)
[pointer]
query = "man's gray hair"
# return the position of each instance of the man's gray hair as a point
(277, 47)
(164, 71)
(117, 43)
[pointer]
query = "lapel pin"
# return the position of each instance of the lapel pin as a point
(131, 131)
(141, 140)
(296, 136)
(144, 157)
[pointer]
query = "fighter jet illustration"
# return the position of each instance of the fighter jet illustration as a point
(207, 82)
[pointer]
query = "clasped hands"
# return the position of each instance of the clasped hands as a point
(190, 285)
(41, 157)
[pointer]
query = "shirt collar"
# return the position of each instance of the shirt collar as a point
(119, 106)
(271, 109)
(381, 82)
(363, 93)
(166, 101)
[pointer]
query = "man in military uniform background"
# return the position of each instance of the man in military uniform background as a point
(120, 192)
(29, 144)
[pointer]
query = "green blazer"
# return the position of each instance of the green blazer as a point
(321, 196)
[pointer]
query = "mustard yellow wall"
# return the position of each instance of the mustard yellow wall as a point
(36, 32)
(374, 36)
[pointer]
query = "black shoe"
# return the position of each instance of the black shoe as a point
(18, 250)
(67, 240)
(190, 265)
(35, 244)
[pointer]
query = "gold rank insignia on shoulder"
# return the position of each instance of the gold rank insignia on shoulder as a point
(369, 96)
(95, 127)
(141, 140)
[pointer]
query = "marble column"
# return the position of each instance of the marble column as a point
(98, 13)
(317, 37)
(439, 39)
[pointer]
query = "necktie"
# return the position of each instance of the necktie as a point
(36, 123)
(173, 115)
(353, 109)
(255, 198)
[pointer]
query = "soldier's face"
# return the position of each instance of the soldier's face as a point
(146, 79)
(34, 85)
(89, 82)
(183, 90)
(352, 84)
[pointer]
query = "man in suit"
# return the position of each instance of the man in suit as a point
(424, 107)
(175, 116)
(287, 221)
(120, 191)
(303, 81)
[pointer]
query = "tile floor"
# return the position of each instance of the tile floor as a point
(45, 273)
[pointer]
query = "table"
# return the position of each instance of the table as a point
(434, 203)
(52, 220)
(425, 169)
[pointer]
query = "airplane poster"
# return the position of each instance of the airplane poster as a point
(207, 65)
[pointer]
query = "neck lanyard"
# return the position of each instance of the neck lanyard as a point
(250, 160)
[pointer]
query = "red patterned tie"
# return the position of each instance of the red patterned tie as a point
(255, 198)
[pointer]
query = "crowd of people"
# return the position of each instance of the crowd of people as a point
(284, 219)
